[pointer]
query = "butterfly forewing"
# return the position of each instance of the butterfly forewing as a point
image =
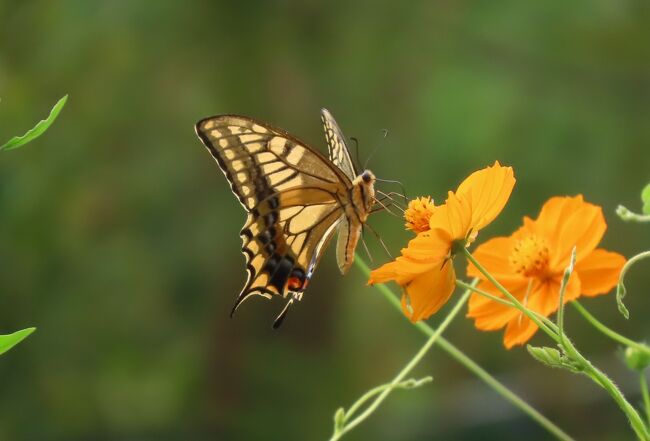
(348, 232)
(339, 153)
(293, 195)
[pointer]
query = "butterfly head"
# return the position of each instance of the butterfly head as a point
(368, 177)
(364, 193)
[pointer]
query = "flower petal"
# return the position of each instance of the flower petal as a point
(567, 222)
(395, 271)
(544, 298)
(494, 255)
(428, 292)
(459, 212)
(489, 315)
(452, 218)
(429, 245)
(599, 271)
(584, 229)
(553, 211)
(488, 191)
(426, 252)
(519, 331)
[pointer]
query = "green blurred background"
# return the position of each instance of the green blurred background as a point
(119, 236)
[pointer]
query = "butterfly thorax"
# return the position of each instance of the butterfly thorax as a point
(363, 194)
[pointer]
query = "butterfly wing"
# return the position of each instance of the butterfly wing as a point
(349, 230)
(293, 195)
(339, 153)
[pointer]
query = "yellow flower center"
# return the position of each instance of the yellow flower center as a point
(530, 256)
(418, 213)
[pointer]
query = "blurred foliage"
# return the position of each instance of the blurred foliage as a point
(120, 236)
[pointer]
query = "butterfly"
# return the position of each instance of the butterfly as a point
(295, 198)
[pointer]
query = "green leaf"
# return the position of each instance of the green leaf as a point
(37, 130)
(545, 355)
(10, 340)
(551, 358)
(645, 197)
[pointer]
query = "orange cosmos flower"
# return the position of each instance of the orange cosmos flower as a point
(418, 213)
(530, 264)
(424, 270)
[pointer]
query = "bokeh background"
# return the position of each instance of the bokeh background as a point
(119, 236)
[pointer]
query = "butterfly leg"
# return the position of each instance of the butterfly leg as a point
(389, 196)
(381, 241)
(386, 207)
(365, 247)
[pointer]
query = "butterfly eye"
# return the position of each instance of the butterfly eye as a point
(366, 176)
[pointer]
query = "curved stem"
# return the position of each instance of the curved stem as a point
(517, 304)
(627, 215)
(631, 261)
(646, 397)
(408, 384)
(621, 291)
(607, 331)
(472, 366)
(505, 302)
(406, 370)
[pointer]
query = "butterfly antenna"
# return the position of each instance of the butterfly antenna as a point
(392, 181)
(381, 143)
(381, 241)
(356, 148)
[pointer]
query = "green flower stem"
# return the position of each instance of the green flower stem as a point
(606, 383)
(472, 366)
(621, 291)
(408, 384)
(567, 346)
(627, 215)
(646, 396)
(517, 304)
(505, 302)
(631, 261)
(607, 331)
(339, 432)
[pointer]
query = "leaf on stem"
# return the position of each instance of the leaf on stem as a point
(10, 340)
(552, 358)
(37, 130)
